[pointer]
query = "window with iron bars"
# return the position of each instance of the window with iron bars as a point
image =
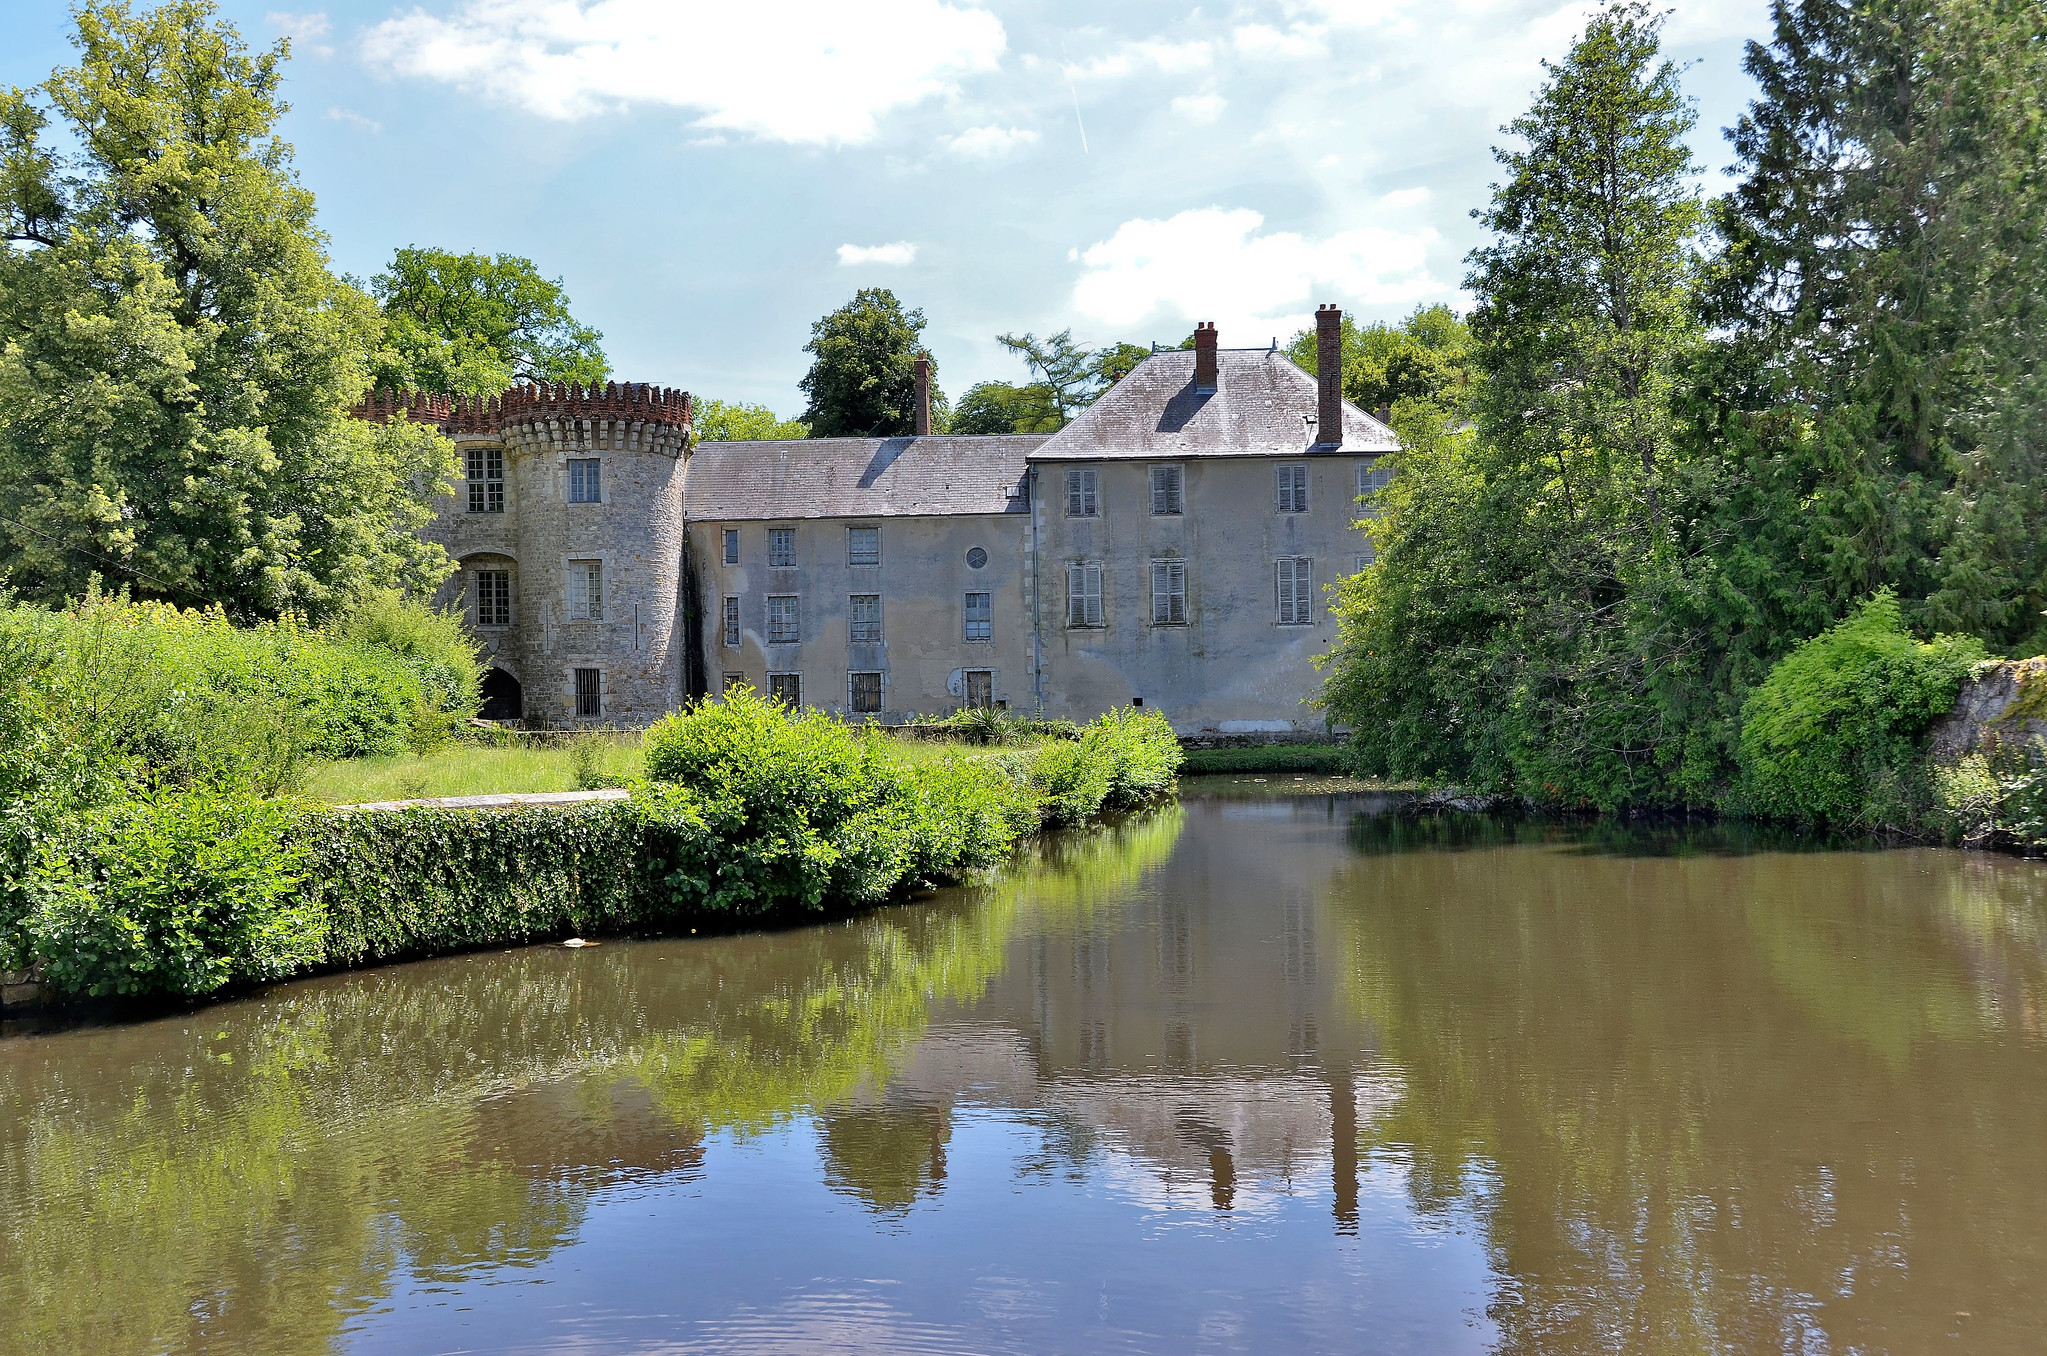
(589, 693)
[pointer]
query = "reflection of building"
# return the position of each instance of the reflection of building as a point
(1198, 1041)
(1169, 548)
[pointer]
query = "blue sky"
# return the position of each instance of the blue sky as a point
(708, 179)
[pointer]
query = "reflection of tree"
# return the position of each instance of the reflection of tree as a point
(250, 1176)
(1712, 1102)
(888, 1155)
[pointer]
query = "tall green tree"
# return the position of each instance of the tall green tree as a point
(1427, 356)
(176, 356)
(474, 324)
(719, 421)
(1509, 629)
(862, 381)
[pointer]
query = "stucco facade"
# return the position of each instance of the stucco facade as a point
(1170, 548)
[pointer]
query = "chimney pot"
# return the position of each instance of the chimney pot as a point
(1329, 376)
(1204, 356)
(922, 424)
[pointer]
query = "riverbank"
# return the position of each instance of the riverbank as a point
(748, 815)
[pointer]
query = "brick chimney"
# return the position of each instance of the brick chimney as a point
(923, 415)
(1328, 375)
(1204, 355)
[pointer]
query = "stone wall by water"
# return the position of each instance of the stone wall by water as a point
(2004, 702)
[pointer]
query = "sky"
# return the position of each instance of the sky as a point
(709, 179)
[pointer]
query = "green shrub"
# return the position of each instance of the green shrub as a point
(1073, 780)
(808, 814)
(1144, 755)
(178, 893)
(438, 649)
(1329, 759)
(969, 813)
(1831, 736)
(1996, 797)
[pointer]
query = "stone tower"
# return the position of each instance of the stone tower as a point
(567, 531)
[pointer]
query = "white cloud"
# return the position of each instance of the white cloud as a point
(808, 71)
(1211, 263)
(348, 115)
(987, 143)
(304, 30)
(889, 256)
(1199, 108)
(1405, 197)
(1263, 40)
(1171, 57)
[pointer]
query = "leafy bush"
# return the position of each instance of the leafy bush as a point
(969, 812)
(1322, 758)
(438, 649)
(1144, 755)
(181, 892)
(1831, 736)
(1995, 798)
(807, 812)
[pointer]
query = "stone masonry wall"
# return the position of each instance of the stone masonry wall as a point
(2004, 702)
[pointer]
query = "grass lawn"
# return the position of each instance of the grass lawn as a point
(463, 769)
(1319, 759)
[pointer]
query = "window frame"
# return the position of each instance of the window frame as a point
(1290, 488)
(794, 619)
(1365, 559)
(486, 491)
(586, 603)
(728, 545)
(590, 702)
(586, 480)
(500, 615)
(1087, 572)
(733, 681)
(1372, 477)
(854, 562)
(731, 632)
(880, 677)
(1083, 492)
(967, 684)
(779, 537)
(1293, 590)
(778, 681)
(985, 621)
(1174, 595)
(854, 621)
(1168, 481)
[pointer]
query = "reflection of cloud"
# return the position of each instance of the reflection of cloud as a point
(1213, 263)
(986, 143)
(823, 1321)
(888, 256)
(819, 71)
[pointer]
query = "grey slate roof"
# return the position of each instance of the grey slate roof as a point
(1256, 410)
(858, 478)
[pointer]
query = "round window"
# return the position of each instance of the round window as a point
(976, 558)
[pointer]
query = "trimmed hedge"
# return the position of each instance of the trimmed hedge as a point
(753, 813)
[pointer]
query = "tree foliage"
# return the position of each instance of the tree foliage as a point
(474, 324)
(1067, 378)
(718, 421)
(862, 381)
(1427, 356)
(176, 357)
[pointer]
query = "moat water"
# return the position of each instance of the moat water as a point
(1252, 1073)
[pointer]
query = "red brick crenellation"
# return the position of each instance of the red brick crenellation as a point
(633, 400)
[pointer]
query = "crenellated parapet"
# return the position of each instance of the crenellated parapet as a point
(631, 416)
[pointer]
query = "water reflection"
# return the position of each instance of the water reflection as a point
(1259, 1074)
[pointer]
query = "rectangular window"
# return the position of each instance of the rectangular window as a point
(980, 617)
(863, 546)
(731, 544)
(1294, 582)
(786, 688)
(863, 693)
(485, 472)
(863, 619)
(781, 546)
(583, 485)
(734, 681)
(493, 597)
(589, 693)
(1367, 557)
(1165, 491)
(980, 688)
(782, 629)
(1372, 478)
(729, 619)
(1168, 593)
(586, 590)
(1290, 489)
(1083, 594)
(1083, 491)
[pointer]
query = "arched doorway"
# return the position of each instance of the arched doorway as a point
(503, 699)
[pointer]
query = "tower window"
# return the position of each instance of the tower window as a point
(493, 597)
(589, 693)
(484, 469)
(584, 487)
(586, 590)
